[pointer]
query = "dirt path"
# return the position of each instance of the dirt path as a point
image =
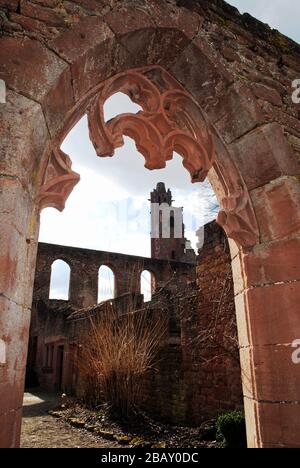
(40, 430)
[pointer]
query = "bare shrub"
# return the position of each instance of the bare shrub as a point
(116, 352)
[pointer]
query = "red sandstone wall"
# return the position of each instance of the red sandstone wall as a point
(85, 264)
(199, 376)
(210, 348)
(198, 371)
(49, 324)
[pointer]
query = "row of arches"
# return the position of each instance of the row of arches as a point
(60, 282)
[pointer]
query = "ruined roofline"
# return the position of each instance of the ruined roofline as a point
(222, 12)
(104, 252)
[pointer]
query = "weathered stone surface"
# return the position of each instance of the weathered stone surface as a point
(235, 113)
(126, 19)
(267, 94)
(279, 201)
(242, 324)
(267, 148)
(12, 373)
(282, 424)
(32, 25)
(23, 136)
(230, 54)
(266, 360)
(53, 16)
(253, 439)
(200, 74)
(274, 262)
(277, 320)
(21, 59)
(9, 4)
(15, 211)
(166, 15)
(81, 38)
(10, 428)
(159, 46)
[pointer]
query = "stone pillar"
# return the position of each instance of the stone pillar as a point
(17, 258)
(20, 142)
(83, 285)
(128, 278)
(267, 296)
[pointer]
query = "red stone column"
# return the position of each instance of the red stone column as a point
(17, 256)
(267, 295)
(18, 244)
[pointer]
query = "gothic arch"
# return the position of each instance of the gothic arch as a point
(246, 154)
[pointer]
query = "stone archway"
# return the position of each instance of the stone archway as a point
(53, 78)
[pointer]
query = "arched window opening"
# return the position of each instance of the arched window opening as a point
(118, 104)
(106, 284)
(148, 285)
(60, 280)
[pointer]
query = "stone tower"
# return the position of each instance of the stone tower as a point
(167, 229)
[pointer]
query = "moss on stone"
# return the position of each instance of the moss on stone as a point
(280, 42)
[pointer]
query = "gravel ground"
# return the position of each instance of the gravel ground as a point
(40, 430)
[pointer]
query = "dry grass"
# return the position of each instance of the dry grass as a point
(115, 354)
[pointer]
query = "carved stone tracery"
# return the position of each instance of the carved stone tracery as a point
(238, 220)
(170, 121)
(58, 182)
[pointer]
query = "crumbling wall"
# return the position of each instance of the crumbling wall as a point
(85, 264)
(50, 324)
(198, 375)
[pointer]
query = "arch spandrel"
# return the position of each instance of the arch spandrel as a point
(59, 181)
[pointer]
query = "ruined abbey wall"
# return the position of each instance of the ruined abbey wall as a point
(85, 264)
(197, 375)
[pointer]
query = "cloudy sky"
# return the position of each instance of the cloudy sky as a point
(109, 208)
